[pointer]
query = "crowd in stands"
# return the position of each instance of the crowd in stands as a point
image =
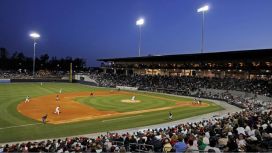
(250, 103)
(24, 74)
(245, 131)
(190, 86)
(184, 83)
(14, 75)
(249, 130)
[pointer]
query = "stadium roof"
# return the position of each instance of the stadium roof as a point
(256, 54)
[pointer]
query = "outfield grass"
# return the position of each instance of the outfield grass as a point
(12, 94)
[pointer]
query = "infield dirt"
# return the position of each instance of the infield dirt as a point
(72, 111)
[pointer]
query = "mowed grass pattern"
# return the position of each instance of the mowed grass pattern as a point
(114, 102)
(12, 94)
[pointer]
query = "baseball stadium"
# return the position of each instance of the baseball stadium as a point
(191, 102)
(136, 96)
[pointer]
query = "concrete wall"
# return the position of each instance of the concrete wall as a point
(83, 77)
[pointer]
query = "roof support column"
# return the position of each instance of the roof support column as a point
(104, 70)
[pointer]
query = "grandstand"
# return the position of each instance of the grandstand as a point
(244, 64)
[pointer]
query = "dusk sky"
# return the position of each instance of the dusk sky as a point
(93, 29)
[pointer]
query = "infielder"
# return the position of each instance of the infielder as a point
(133, 98)
(60, 91)
(44, 118)
(57, 98)
(27, 99)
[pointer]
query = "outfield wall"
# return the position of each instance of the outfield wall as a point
(39, 80)
(4, 80)
(83, 77)
(127, 88)
(53, 80)
(85, 82)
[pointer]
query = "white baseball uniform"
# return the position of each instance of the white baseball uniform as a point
(57, 111)
(27, 99)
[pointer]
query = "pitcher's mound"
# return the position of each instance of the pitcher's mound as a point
(130, 101)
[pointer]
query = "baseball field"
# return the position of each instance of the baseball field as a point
(84, 110)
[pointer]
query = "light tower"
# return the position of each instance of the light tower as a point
(35, 36)
(203, 10)
(139, 23)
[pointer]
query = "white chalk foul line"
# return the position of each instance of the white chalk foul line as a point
(16, 126)
(121, 118)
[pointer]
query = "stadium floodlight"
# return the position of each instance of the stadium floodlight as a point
(35, 36)
(139, 23)
(203, 10)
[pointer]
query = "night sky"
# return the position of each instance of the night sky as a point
(94, 29)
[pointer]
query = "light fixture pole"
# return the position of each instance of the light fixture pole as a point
(139, 23)
(34, 36)
(203, 10)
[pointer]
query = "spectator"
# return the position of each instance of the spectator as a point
(212, 146)
(192, 148)
(167, 147)
(180, 146)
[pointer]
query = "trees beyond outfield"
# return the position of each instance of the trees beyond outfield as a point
(18, 60)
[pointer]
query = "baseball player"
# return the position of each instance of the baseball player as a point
(133, 98)
(57, 98)
(27, 99)
(194, 100)
(60, 91)
(44, 118)
(57, 110)
(170, 116)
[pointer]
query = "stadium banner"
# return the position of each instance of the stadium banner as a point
(4, 80)
(126, 88)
